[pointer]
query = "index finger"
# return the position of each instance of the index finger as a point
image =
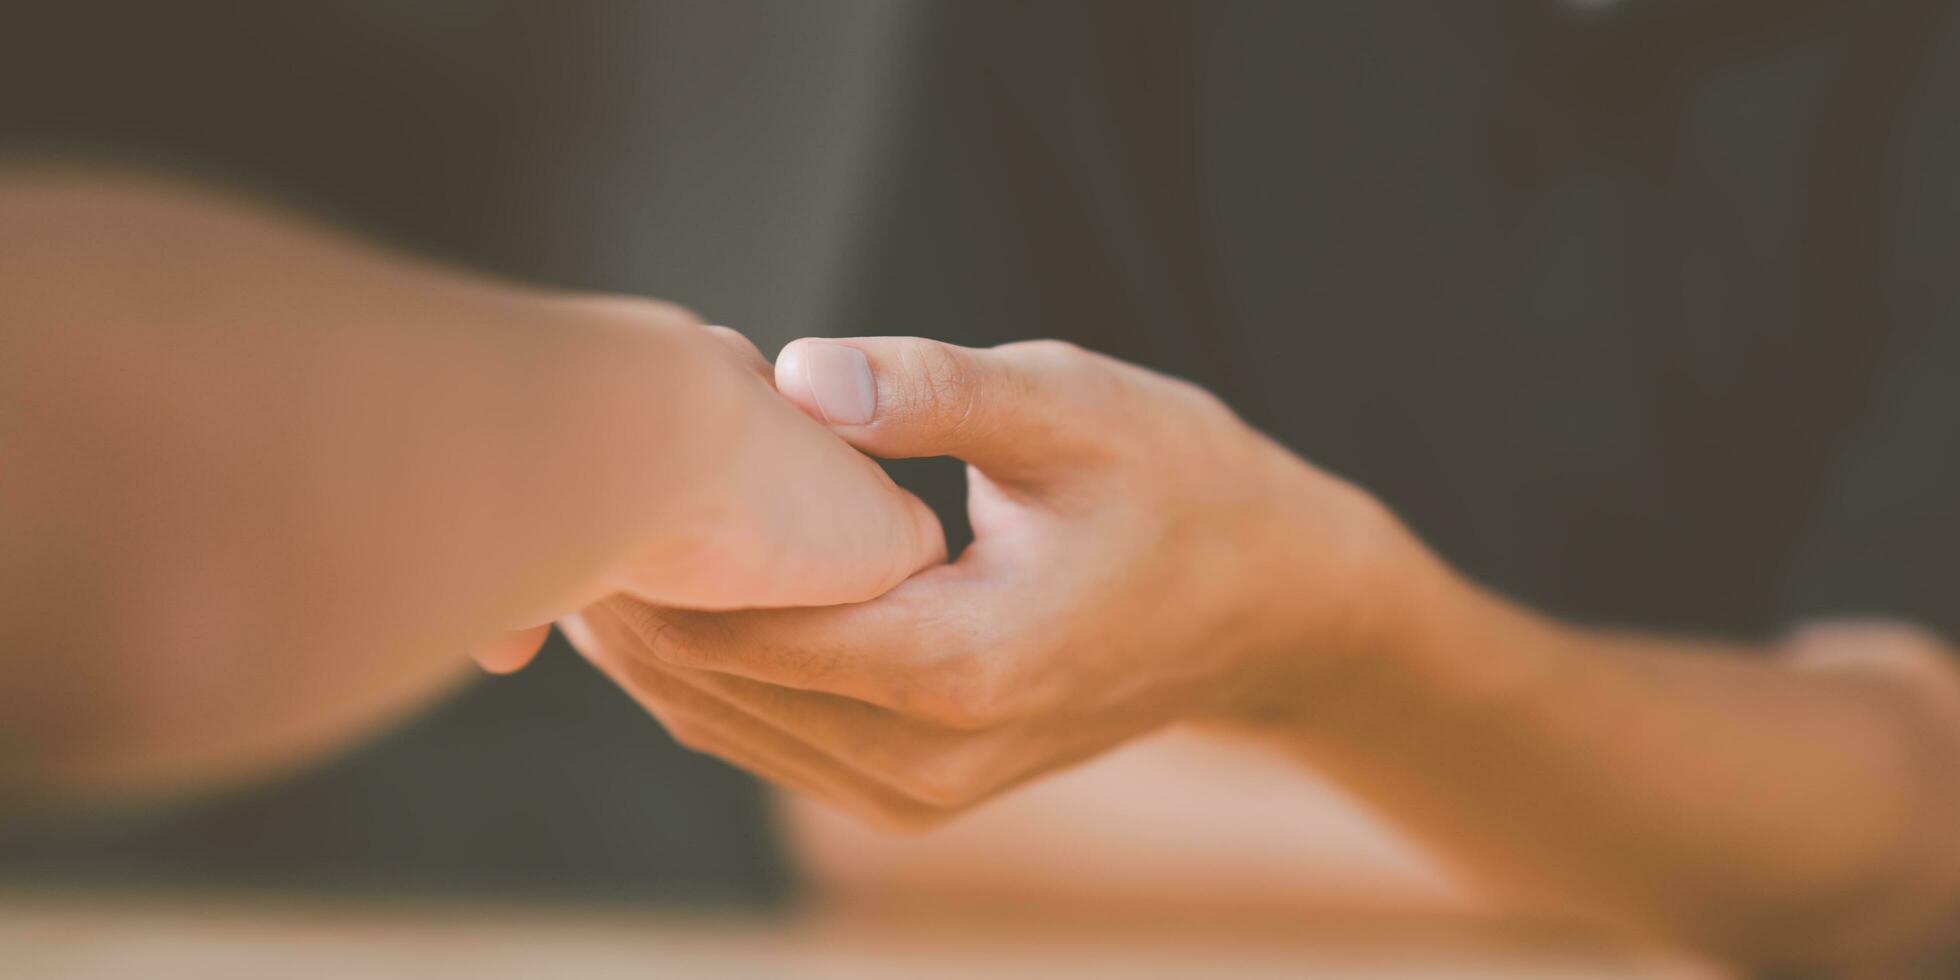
(899, 651)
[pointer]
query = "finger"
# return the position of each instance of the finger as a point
(944, 768)
(800, 518)
(921, 649)
(745, 351)
(922, 761)
(708, 724)
(513, 650)
(1017, 412)
(927, 765)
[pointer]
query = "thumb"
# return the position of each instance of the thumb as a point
(1014, 411)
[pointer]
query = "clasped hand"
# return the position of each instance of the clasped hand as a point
(1141, 556)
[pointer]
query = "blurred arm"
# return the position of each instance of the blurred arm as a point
(262, 488)
(1795, 809)
(1141, 556)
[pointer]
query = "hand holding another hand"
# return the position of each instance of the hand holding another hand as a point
(774, 511)
(1140, 556)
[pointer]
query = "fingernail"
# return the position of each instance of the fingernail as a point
(840, 381)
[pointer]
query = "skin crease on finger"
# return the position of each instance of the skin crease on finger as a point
(820, 744)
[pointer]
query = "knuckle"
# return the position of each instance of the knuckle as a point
(1049, 350)
(663, 310)
(1198, 397)
(737, 343)
(1037, 359)
(1086, 380)
(622, 308)
(945, 390)
(1061, 359)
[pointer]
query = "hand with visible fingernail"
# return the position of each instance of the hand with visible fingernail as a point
(1132, 540)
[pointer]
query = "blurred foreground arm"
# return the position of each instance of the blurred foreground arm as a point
(262, 487)
(1143, 557)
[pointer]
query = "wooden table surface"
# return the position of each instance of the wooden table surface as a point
(87, 935)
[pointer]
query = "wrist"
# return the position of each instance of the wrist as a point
(1373, 625)
(652, 417)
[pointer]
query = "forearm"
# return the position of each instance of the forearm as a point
(264, 485)
(1743, 803)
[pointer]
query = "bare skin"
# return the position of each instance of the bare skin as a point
(1142, 557)
(265, 488)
